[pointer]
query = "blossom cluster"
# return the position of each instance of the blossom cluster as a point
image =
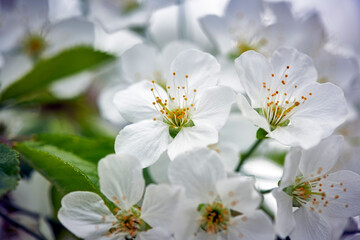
(204, 95)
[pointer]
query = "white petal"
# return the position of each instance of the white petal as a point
(60, 10)
(310, 226)
(301, 132)
(342, 193)
(140, 62)
(80, 30)
(291, 167)
(145, 140)
(109, 42)
(239, 193)
(284, 220)
(85, 215)
(197, 171)
(155, 234)
(321, 158)
(251, 10)
(171, 50)
(159, 169)
(200, 135)
(251, 114)
(216, 29)
(301, 70)
(136, 102)
(121, 179)
(253, 69)
(253, 226)
(214, 106)
(239, 132)
(107, 107)
(160, 205)
(201, 68)
(326, 108)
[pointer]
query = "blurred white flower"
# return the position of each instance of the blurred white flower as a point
(217, 207)
(121, 181)
(188, 115)
(322, 197)
(285, 99)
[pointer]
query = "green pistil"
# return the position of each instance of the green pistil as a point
(214, 217)
(174, 130)
(301, 192)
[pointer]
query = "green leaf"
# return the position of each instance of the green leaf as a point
(69, 162)
(65, 170)
(64, 64)
(9, 169)
(87, 148)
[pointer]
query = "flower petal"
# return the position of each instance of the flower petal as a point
(284, 220)
(342, 194)
(251, 114)
(321, 158)
(159, 205)
(136, 102)
(155, 234)
(239, 193)
(291, 167)
(85, 215)
(121, 179)
(253, 68)
(200, 67)
(145, 140)
(310, 226)
(135, 63)
(214, 106)
(198, 171)
(200, 135)
(301, 71)
(252, 226)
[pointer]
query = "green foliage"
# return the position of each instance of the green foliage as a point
(9, 169)
(47, 71)
(68, 162)
(87, 148)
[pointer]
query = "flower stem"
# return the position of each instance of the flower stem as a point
(22, 227)
(248, 154)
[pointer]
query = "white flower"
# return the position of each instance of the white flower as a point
(121, 181)
(217, 207)
(320, 195)
(285, 99)
(119, 14)
(27, 35)
(187, 115)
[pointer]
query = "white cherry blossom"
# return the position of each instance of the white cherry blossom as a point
(321, 196)
(285, 99)
(86, 215)
(217, 207)
(187, 115)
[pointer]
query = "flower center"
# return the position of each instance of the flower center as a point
(303, 190)
(214, 217)
(242, 47)
(128, 6)
(281, 102)
(128, 223)
(34, 44)
(176, 107)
